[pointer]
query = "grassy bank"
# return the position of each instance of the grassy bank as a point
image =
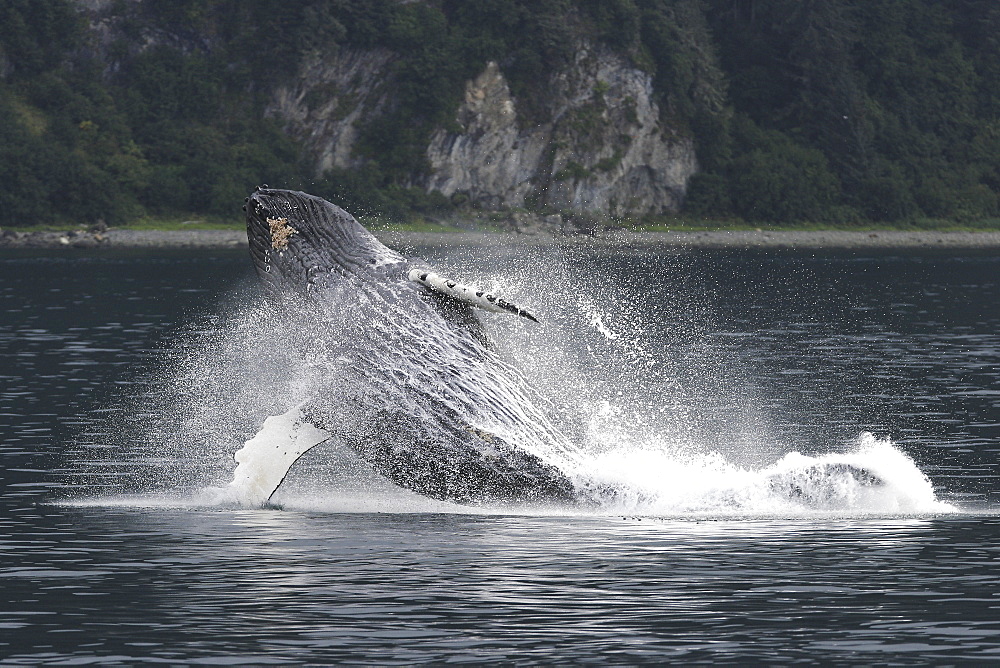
(682, 224)
(494, 223)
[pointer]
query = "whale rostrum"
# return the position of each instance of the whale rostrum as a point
(466, 294)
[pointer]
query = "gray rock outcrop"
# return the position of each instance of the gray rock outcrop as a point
(325, 106)
(601, 147)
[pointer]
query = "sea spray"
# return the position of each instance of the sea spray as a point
(665, 424)
(669, 421)
(871, 476)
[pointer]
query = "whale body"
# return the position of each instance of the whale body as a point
(411, 382)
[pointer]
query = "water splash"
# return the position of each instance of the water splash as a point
(623, 379)
(595, 318)
(872, 476)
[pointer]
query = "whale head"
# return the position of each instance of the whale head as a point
(297, 239)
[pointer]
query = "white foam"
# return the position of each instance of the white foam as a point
(644, 480)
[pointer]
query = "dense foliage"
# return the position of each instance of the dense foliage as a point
(171, 131)
(888, 107)
(819, 110)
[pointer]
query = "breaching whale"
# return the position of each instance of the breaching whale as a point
(412, 383)
(409, 381)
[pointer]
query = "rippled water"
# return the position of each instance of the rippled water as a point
(700, 366)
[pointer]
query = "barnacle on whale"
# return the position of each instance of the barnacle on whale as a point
(280, 231)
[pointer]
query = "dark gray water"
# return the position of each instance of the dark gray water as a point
(692, 373)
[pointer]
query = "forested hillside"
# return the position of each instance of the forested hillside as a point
(830, 111)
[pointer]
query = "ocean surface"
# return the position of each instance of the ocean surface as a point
(718, 392)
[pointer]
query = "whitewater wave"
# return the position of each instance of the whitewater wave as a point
(872, 476)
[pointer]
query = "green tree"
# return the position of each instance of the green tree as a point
(777, 180)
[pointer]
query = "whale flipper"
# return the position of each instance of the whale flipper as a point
(466, 294)
(263, 461)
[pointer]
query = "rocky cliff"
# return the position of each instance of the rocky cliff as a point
(601, 145)
(601, 148)
(587, 135)
(325, 106)
(118, 109)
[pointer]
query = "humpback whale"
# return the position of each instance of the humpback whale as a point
(412, 384)
(408, 378)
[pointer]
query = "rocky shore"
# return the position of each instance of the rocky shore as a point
(103, 237)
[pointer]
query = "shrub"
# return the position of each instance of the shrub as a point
(708, 195)
(887, 196)
(782, 182)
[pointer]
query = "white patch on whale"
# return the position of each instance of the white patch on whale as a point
(263, 461)
(465, 293)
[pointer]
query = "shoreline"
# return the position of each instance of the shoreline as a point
(738, 239)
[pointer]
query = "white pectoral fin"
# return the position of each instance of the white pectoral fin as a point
(263, 461)
(465, 293)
